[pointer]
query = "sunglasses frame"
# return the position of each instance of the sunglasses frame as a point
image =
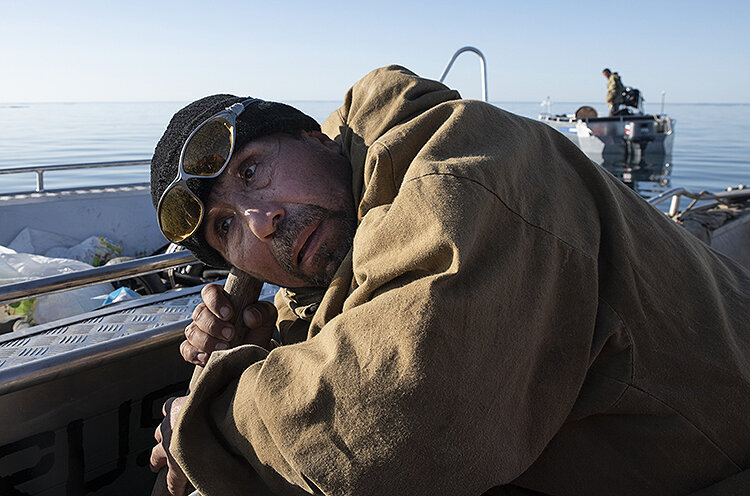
(230, 115)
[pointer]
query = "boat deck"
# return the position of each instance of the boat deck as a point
(31, 355)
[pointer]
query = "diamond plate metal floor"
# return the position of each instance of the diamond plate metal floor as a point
(106, 324)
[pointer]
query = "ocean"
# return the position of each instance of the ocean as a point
(711, 150)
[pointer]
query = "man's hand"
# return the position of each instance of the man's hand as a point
(160, 456)
(212, 327)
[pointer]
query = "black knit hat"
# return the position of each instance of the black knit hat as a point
(257, 120)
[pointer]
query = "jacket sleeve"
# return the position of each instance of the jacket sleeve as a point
(457, 357)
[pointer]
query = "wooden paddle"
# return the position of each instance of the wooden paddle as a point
(243, 290)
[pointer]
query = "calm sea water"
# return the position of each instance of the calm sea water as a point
(711, 149)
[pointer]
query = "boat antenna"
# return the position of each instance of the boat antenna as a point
(662, 101)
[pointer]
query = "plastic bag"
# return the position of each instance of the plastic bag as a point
(119, 295)
(19, 267)
(39, 242)
(94, 250)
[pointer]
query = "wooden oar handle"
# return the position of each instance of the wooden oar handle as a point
(243, 290)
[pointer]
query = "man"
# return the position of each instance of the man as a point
(614, 90)
(507, 319)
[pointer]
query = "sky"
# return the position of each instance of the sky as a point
(136, 50)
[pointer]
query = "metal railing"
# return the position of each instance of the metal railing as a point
(39, 170)
(483, 67)
(676, 194)
(83, 278)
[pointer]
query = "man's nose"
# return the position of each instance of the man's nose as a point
(263, 220)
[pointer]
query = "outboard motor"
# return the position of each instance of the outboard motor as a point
(639, 133)
(632, 98)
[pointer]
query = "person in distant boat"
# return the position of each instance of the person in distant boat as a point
(614, 91)
(469, 306)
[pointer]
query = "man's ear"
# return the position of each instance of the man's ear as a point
(323, 139)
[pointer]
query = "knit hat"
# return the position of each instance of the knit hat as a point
(257, 120)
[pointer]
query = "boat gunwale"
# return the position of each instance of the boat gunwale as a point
(615, 118)
(39, 170)
(59, 193)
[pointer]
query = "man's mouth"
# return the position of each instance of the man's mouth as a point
(307, 236)
(311, 241)
(293, 242)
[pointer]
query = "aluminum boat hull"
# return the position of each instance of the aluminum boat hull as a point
(626, 135)
(80, 398)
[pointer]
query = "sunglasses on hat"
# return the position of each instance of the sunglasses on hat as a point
(204, 155)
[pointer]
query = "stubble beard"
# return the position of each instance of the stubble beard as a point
(326, 259)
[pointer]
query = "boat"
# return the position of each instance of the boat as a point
(84, 393)
(81, 396)
(629, 133)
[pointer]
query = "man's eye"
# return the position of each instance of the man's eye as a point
(249, 171)
(224, 226)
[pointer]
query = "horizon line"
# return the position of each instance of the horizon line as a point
(536, 102)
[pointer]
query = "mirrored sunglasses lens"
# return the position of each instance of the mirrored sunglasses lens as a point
(208, 149)
(180, 214)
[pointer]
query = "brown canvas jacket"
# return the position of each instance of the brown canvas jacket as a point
(614, 90)
(510, 316)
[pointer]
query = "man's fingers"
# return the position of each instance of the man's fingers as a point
(167, 406)
(211, 324)
(193, 355)
(260, 319)
(158, 458)
(202, 340)
(260, 314)
(176, 481)
(217, 301)
(209, 332)
(175, 407)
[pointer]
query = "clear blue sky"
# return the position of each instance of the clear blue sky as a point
(153, 50)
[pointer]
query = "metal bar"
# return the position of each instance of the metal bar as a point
(59, 167)
(77, 189)
(739, 192)
(107, 273)
(674, 207)
(483, 67)
(39, 170)
(662, 102)
(667, 194)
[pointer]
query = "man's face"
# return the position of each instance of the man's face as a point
(283, 210)
(606, 74)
